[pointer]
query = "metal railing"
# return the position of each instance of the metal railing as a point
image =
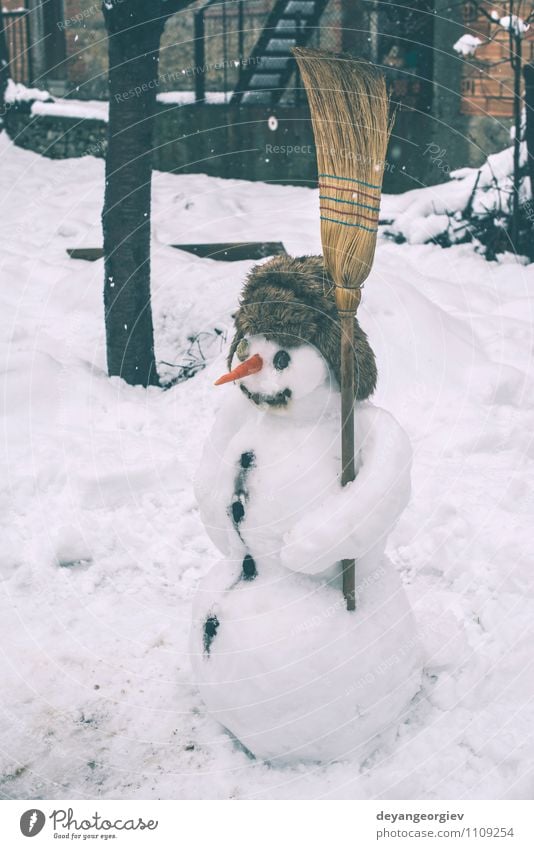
(225, 33)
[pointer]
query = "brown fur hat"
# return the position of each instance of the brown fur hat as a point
(290, 301)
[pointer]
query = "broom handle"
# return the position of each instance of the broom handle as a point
(347, 436)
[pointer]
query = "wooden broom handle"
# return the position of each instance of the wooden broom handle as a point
(347, 435)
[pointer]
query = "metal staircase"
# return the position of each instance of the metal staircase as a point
(268, 70)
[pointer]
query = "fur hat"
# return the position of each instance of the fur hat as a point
(290, 301)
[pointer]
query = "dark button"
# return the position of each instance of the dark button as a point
(247, 459)
(210, 629)
(238, 511)
(249, 568)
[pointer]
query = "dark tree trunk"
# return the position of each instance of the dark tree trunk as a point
(134, 30)
(528, 72)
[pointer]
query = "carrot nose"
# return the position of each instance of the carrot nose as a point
(250, 366)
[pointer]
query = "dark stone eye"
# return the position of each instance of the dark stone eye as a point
(281, 360)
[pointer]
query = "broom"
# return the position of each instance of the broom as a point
(350, 115)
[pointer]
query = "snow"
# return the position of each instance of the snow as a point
(423, 214)
(98, 697)
(467, 45)
(18, 92)
(294, 676)
(515, 24)
(96, 110)
(184, 98)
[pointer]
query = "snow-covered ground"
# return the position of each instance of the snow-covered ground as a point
(423, 215)
(43, 103)
(102, 546)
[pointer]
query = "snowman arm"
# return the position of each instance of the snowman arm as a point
(357, 518)
(381, 490)
(212, 467)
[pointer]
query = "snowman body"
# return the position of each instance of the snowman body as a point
(278, 659)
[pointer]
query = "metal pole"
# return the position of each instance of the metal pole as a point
(225, 51)
(4, 64)
(347, 436)
(200, 58)
(241, 32)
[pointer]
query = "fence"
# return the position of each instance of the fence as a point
(224, 37)
(17, 32)
(225, 33)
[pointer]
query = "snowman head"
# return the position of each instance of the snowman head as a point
(288, 336)
(274, 376)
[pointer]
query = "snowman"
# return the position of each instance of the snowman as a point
(280, 662)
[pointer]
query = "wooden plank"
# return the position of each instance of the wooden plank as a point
(234, 251)
(222, 251)
(89, 254)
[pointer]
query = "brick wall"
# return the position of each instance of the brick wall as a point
(487, 78)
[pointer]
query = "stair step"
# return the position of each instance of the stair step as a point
(256, 97)
(287, 25)
(264, 80)
(272, 63)
(274, 55)
(276, 45)
(300, 7)
(289, 35)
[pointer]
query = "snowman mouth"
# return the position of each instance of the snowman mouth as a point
(281, 399)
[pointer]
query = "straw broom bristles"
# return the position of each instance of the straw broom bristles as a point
(350, 116)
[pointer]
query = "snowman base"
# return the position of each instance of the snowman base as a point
(292, 675)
